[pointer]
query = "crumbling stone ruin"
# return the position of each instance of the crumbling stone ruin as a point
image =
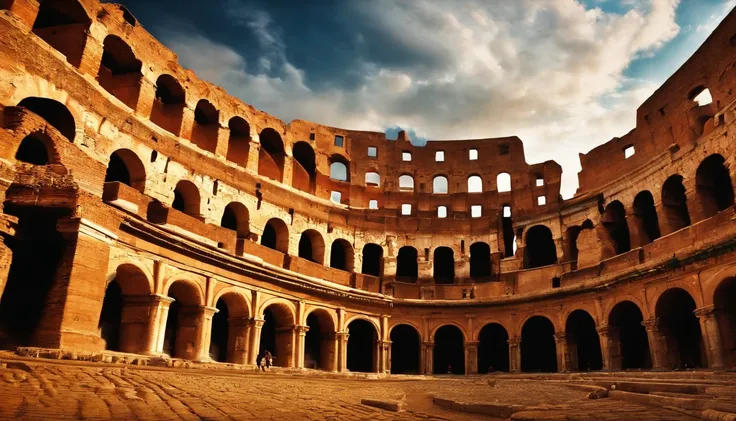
(148, 212)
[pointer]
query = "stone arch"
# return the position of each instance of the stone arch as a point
(342, 255)
(724, 305)
(168, 106)
(372, 260)
(503, 182)
(457, 325)
(680, 328)
(540, 249)
(583, 343)
(272, 155)
(64, 24)
(329, 311)
(320, 339)
(237, 218)
(475, 184)
(406, 345)
(362, 349)
(406, 182)
(276, 235)
(304, 176)
(230, 327)
(238, 145)
(449, 349)
(407, 268)
(181, 332)
(674, 205)
(120, 71)
(206, 126)
(630, 348)
(54, 112)
(646, 221)
(372, 179)
(480, 262)
(440, 185)
(37, 149)
(339, 168)
(443, 262)
(493, 348)
(127, 168)
(312, 246)
(538, 347)
(713, 186)
(189, 289)
(277, 335)
(614, 220)
(186, 198)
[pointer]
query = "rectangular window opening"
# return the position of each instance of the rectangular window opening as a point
(439, 156)
(406, 156)
(442, 211)
(406, 209)
(473, 154)
(507, 211)
(476, 211)
(373, 204)
(629, 151)
(339, 141)
(336, 196)
(372, 151)
(541, 200)
(540, 182)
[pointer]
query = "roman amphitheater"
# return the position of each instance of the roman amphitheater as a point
(149, 216)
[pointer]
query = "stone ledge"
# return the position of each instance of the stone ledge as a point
(393, 406)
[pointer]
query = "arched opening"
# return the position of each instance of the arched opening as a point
(339, 168)
(614, 219)
(406, 183)
(276, 235)
(439, 185)
(55, 113)
(120, 71)
(538, 348)
(493, 349)
(480, 262)
(277, 334)
(444, 265)
(182, 320)
(236, 218)
(33, 149)
(583, 343)
(63, 24)
(646, 218)
(508, 239)
(405, 349)
(407, 268)
(206, 126)
(724, 301)
(372, 179)
(362, 344)
(674, 204)
(125, 167)
(186, 198)
(312, 246)
(713, 186)
(633, 351)
(319, 343)
(122, 319)
(475, 184)
(271, 156)
(37, 249)
(230, 329)
(449, 350)
(168, 107)
(503, 182)
(341, 255)
(372, 260)
(304, 176)
(540, 247)
(681, 329)
(238, 144)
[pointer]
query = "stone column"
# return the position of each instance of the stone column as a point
(610, 347)
(288, 169)
(514, 354)
(255, 339)
(187, 123)
(146, 97)
(342, 351)
(158, 317)
(139, 323)
(25, 10)
(8, 225)
(428, 360)
(471, 357)
(193, 332)
(202, 347)
(238, 336)
(386, 360)
(572, 353)
(301, 334)
(563, 357)
(251, 165)
(91, 56)
(711, 336)
(637, 234)
(376, 364)
(223, 141)
(335, 360)
(657, 345)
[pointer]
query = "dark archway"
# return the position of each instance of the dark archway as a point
(180, 323)
(55, 113)
(220, 329)
(646, 218)
(111, 316)
(120, 71)
(304, 176)
(34, 150)
(230, 329)
(277, 334)
(168, 107)
(236, 217)
(449, 350)
(362, 346)
(674, 204)
(724, 300)
(276, 235)
(238, 145)
(186, 198)
(312, 246)
(540, 247)
(507, 231)
(342, 256)
(444, 265)
(125, 167)
(681, 329)
(63, 24)
(206, 126)
(583, 343)
(405, 349)
(319, 343)
(538, 347)
(480, 262)
(372, 260)
(407, 268)
(713, 186)
(614, 219)
(493, 349)
(272, 155)
(626, 318)
(123, 296)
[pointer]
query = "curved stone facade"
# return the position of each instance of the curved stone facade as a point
(147, 211)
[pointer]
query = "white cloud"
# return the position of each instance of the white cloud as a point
(550, 72)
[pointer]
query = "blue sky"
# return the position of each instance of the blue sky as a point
(563, 75)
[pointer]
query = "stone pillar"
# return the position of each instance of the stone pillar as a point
(342, 351)
(251, 165)
(376, 364)
(637, 235)
(238, 336)
(335, 347)
(187, 123)
(301, 334)
(204, 337)
(158, 317)
(139, 323)
(711, 336)
(91, 57)
(514, 354)
(428, 358)
(657, 345)
(610, 347)
(193, 333)
(223, 141)
(255, 339)
(563, 357)
(471, 357)
(25, 10)
(146, 97)
(386, 358)
(572, 353)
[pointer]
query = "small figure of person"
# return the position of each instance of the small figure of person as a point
(449, 368)
(491, 369)
(262, 363)
(269, 359)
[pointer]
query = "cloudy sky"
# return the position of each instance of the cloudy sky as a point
(563, 75)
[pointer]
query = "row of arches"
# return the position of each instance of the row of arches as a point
(407, 267)
(440, 183)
